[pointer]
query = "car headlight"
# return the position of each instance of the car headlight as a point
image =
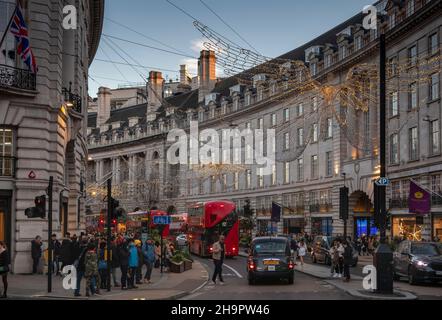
(421, 263)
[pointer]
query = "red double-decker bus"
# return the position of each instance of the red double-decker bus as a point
(207, 221)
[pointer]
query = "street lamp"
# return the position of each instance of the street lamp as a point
(383, 258)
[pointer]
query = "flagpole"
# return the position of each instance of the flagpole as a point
(8, 26)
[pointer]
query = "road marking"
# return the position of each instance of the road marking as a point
(236, 272)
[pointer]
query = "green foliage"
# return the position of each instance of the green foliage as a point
(246, 224)
(179, 256)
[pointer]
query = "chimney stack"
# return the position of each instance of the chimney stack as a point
(154, 94)
(103, 105)
(184, 76)
(206, 73)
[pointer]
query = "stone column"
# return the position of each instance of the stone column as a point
(118, 170)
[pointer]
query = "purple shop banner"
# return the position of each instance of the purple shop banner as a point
(419, 201)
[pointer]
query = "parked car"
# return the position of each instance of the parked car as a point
(270, 257)
(181, 240)
(321, 251)
(418, 261)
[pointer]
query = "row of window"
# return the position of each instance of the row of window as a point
(358, 43)
(413, 143)
(287, 175)
(413, 103)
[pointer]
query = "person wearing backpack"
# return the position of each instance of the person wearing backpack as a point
(91, 270)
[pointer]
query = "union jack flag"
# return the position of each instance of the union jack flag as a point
(20, 31)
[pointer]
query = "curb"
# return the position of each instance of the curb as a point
(188, 293)
(44, 296)
(407, 296)
(355, 293)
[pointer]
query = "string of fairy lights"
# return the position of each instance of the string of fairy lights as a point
(348, 102)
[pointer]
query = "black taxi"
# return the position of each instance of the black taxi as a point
(270, 257)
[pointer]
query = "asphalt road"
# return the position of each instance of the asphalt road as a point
(236, 286)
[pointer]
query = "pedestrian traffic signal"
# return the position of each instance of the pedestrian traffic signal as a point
(343, 203)
(39, 211)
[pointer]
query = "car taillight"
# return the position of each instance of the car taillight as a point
(251, 265)
(210, 249)
(291, 265)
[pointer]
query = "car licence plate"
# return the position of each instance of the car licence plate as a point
(271, 268)
(271, 262)
(439, 273)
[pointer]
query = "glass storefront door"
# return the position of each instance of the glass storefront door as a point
(364, 226)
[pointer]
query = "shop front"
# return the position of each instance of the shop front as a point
(407, 226)
(293, 225)
(322, 226)
(436, 226)
(364, 226)
(266, 226)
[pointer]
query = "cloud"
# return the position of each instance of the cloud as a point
(196, 45)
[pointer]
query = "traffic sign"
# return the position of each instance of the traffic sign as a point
(382, 182)
(162, 220)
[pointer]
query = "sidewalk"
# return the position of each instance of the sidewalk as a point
(354, 287)
(166, 286)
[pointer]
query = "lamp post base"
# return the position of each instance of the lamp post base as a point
(383, 261)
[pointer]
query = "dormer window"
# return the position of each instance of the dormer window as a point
(410, 7)
(258, 78)
(274, 88)
(314, 68)
(343, 52)
(358, 43)
(393, 19)
(211, 97)
(312, 51)
(328, 60)
(248, 99)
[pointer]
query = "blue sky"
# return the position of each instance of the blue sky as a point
(272, 27)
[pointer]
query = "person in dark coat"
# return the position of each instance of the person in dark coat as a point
(115, 261)
(56, 247)
(4, 268)
(81, 268)
(348, 255)
(66, 251)
(123, 256)
(36, 245)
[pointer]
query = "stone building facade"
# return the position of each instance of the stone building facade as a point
(322, 142)
(42, 122)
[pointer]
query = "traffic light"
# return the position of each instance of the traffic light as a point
(39, 211)
(115, 213)
(247, 210)
(343, 203)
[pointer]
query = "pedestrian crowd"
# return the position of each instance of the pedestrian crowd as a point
(89, 255)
